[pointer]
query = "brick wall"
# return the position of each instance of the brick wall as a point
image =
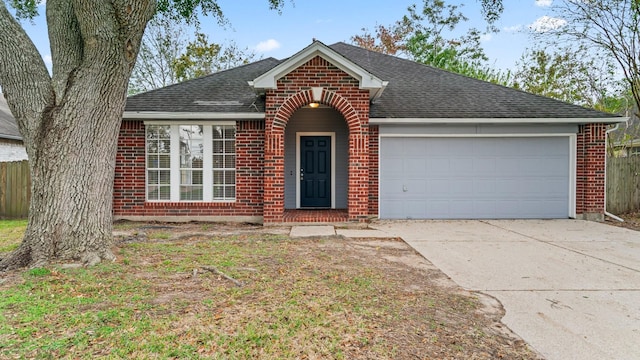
(129, 182)
(374, 148)
(590, 177)
(340, 91)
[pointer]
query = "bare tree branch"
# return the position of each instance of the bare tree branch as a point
(23, 75)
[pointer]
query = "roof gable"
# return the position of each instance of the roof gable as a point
(367, 80)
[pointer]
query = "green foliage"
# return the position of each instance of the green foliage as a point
(611, 26)
(492, 10)
(426, 35)
(189, 10)
(570, 75)
(25, 9)
(202, 58)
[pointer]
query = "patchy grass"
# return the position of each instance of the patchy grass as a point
(324, 299)
(11, 232)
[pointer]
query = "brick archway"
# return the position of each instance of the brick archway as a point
(358, 168)
(327, 97)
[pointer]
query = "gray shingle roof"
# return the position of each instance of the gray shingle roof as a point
(224, 91)
(8, 126)
(414, 91)
(419, 91)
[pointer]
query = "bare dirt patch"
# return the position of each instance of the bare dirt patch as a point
(270, 297)
(631, 221)
(420, 312)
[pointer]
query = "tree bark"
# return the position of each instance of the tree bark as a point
(70, 122)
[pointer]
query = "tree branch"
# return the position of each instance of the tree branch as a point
(23, 75)
(65, 39)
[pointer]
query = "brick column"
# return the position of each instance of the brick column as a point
(590, 178)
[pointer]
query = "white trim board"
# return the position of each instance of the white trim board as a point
(367, 80)
(456, 121)
(165, 115)
(333, 164)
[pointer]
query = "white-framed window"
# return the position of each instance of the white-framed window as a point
(191, 161)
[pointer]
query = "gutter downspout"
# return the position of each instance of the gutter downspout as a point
(606, 139)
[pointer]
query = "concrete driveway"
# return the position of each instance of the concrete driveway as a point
(571, 289)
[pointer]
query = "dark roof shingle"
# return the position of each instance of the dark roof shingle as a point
(8, 126)
(414, 91)
(224, 91)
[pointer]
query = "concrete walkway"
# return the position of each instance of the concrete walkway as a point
(571, 289)
(301, 231)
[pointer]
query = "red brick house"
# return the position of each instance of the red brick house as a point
(340, 133)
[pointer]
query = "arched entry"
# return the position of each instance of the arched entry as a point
(316, 159)
(358, 156)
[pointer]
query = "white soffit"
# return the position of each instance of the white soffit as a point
(164, 115)
(453, 121)
(367, 80)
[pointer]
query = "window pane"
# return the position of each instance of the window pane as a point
(230, 161)
(164, 146)
(196, 177)
(153, 192)
(217, 161)
(229, 132)
(218, 147)
(165, 193)
(230, 146)
(190, 193)
(165, 177)
(230, 192)
(157, 153)
(218, 192)
(230, 177)
(153, 177)
(153, 162)
(218, 177)
(164, 161)
(152, 146)
(217, 132)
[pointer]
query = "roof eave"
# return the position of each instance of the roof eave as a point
(10, 137)
(428, 121)
(164, 115)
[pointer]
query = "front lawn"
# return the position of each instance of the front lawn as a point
(298, 299)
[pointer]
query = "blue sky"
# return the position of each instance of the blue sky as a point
(270, 34)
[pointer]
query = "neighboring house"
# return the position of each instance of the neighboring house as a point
(339, 133)
(626, 138)
(627, 148)
(11, 147)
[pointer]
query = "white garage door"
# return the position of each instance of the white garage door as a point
(474, 178)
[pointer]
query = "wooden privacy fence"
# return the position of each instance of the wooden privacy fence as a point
(623, 184)
(15, 189)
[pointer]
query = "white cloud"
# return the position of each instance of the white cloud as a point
(47, 60)
(546, 23)
(486, 37)
(544, 3)
(268, 45)
(512, 29)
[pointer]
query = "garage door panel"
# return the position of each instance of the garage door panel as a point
(457, 178)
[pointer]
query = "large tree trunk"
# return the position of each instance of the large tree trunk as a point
(70, 122)
(72, 179)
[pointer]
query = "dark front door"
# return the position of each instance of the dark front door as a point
(315, 171)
